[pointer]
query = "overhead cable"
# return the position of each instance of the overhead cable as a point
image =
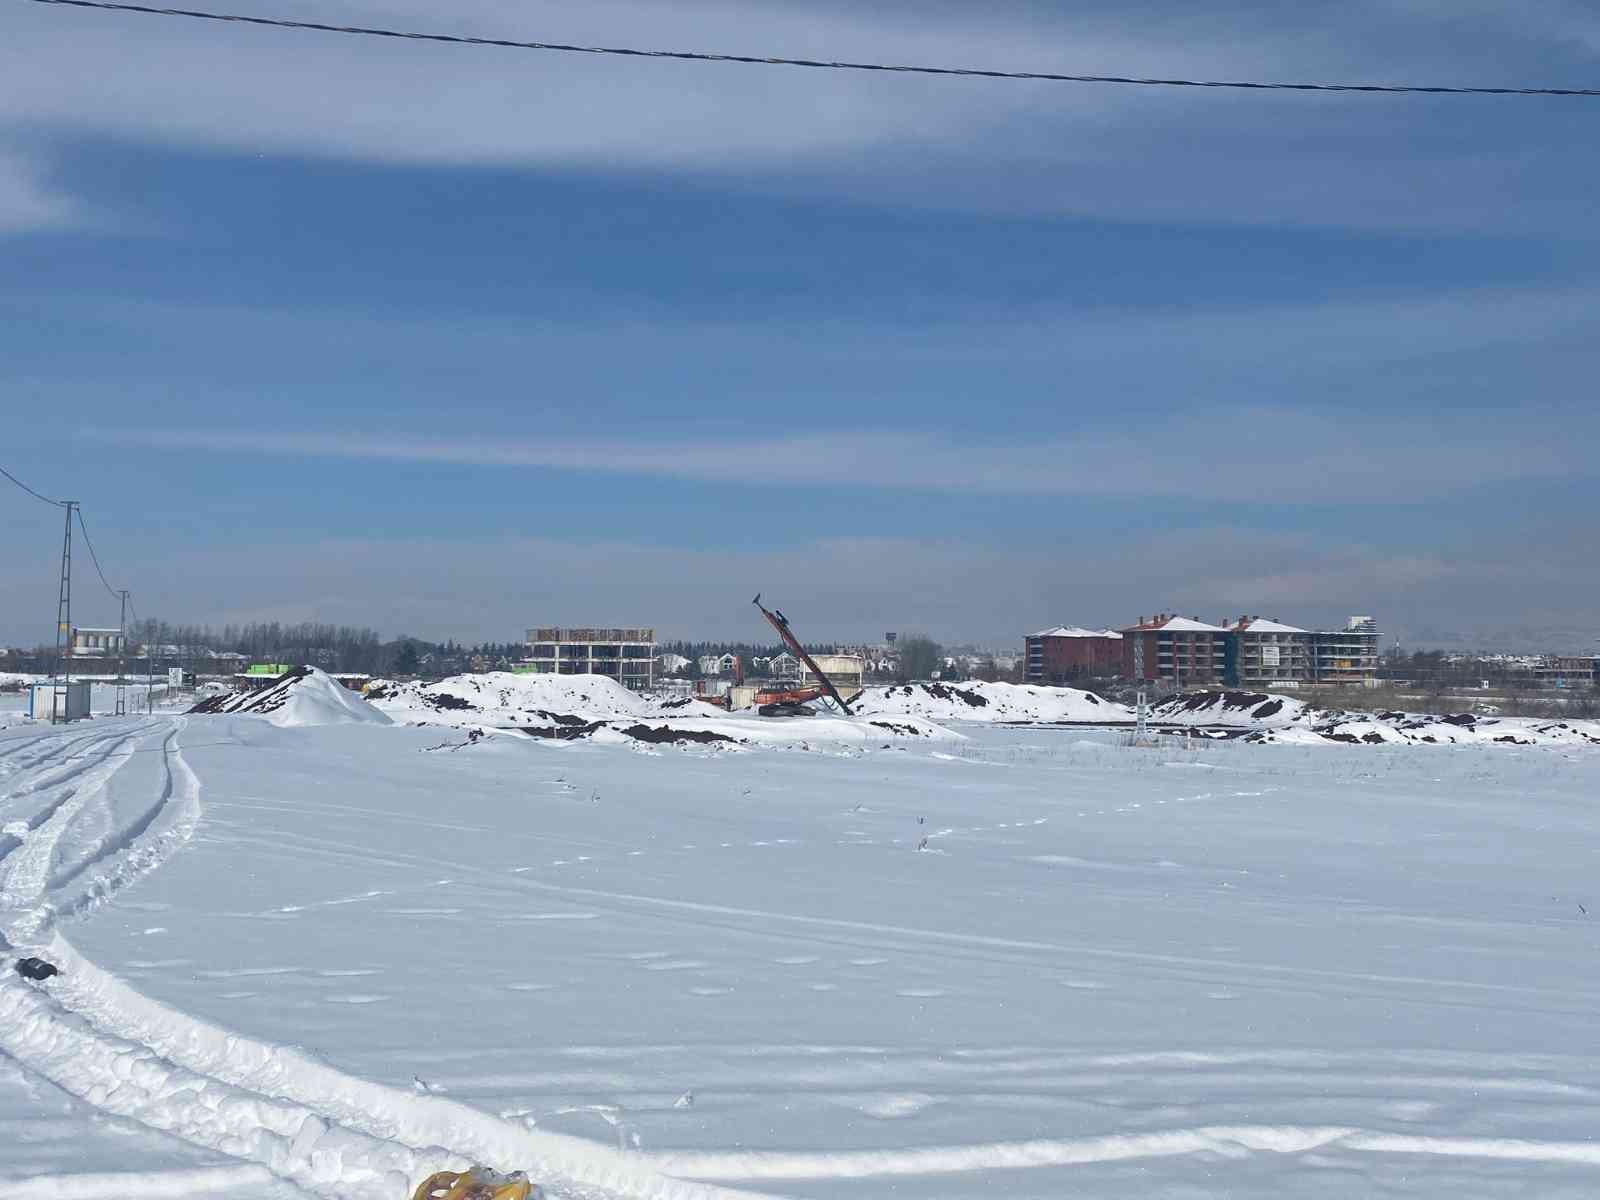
(95, 558)
(775, 61)
(30, 491)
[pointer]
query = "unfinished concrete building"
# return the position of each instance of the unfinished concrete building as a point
(1349, 655)
(626, 655)
(1265, 654)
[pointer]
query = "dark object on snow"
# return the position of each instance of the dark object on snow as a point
(36, 969)
(778, 621)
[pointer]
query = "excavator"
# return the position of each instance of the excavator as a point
(480, 1183)
(790, 700)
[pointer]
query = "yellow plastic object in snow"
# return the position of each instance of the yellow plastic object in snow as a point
(480, 1183)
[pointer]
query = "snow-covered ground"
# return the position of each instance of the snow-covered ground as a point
(322, 959)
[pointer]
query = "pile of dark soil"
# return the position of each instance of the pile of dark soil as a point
(270, 700)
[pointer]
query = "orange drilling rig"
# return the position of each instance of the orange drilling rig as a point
(790, 700)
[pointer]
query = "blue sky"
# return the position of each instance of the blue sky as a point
(453, 341)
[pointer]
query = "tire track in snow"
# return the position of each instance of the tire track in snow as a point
(72, 742)
(25, 872)
(139, 1185)
(117, 839)
(329, 1133)
(17, 745)
(1230, 1141)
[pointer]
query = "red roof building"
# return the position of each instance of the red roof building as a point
(1067, 653)
(1181, 651)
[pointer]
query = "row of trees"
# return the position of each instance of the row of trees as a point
(1437, 669)
(208, 650)
(205, 650)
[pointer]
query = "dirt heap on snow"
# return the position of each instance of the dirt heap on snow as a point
(744, 729)
(991, 702)
(303, 696)
(1460, 729)
(1269, 718)
(510, 701)
(1251, 710)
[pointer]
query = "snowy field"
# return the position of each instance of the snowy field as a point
(323, 960)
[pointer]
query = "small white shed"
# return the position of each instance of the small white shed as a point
(60, 701)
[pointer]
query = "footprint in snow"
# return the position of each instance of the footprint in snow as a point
(887, 1108)
(425, 912)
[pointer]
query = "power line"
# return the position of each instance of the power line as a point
(30, 491)
(95, 558)
(766, 60)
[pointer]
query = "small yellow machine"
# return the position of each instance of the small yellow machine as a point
(480, 1183)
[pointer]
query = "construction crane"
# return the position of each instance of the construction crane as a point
(780, 701)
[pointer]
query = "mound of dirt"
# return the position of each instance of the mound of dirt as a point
(513, 701)
(303, 696)
(1010, 702)
(1257, 710)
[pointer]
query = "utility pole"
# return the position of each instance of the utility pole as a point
(122, 659)
(1141, 727)
(61, 690)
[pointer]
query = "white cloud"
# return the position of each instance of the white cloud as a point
(1247, 411)
(29, 203)
(1027, 147)
(1260, 455)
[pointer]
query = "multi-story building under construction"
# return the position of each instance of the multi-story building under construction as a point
(626, 655)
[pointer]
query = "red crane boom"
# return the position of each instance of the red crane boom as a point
(781, 624)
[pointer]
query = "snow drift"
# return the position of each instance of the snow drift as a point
(507, 700)
(305, 696)
(989, 702)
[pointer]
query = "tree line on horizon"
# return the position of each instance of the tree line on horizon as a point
(360, 650)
